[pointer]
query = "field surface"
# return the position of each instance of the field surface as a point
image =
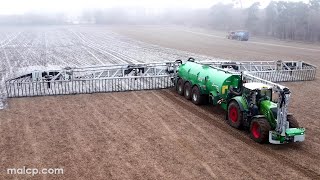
(146, 134)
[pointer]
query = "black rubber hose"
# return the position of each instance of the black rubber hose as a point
(283, 95)
(191, 59)
(235, 92)
(179, 61)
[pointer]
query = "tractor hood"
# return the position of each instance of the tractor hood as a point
(269, 110)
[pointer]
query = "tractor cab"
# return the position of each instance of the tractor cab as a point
(259, 96)
(257, 91)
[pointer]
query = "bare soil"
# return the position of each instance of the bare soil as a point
(140, 135)
(159, 134)
(215, 44)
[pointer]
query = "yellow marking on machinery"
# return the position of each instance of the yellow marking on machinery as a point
(224, 88)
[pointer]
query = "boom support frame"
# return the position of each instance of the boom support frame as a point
(42, 81)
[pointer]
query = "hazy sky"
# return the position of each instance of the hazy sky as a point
(72, 6)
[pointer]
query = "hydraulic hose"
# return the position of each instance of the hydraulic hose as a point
(283, 96)
(235, 92)
(191, 59)
(178, 61)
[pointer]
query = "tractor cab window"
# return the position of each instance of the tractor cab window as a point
(275, 97)
(265, 94)
(247, 92)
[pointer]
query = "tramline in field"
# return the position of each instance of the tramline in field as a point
(243, 89)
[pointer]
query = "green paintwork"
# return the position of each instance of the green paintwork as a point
(295, 131)
(211, 81)
(216, 83)
(265, 109)
(242, 102)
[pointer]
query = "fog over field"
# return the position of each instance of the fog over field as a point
(294, 19)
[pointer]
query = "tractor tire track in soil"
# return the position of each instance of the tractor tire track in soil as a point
(239, 135)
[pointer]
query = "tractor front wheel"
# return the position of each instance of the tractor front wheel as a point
(259, 130)
(187, 90)
(293, 123)
(180, 87)
(234, 115)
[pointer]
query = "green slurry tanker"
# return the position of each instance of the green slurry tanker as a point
(249, 105)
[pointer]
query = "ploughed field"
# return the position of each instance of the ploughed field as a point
(146, 134)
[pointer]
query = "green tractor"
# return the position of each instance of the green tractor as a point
(249, 105)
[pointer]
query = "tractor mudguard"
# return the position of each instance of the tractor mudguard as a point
(241, 101)
(242, 105)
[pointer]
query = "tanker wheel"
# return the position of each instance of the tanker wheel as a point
(187, 90)
(259, 130)
(234, 115)
(180, 89)
(293, 123)
(196, 96)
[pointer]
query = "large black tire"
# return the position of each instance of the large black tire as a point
(196, 96)
(259, 130)
(293, 123)
(234, 115)
(187, 90)
(180, 85)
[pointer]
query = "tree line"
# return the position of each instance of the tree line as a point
(280, 19)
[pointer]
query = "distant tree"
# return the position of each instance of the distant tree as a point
(252, 19)
(221, 15)
(88, 16)
(238, 2)
(271, 18)
(313, 26)
(314, 4)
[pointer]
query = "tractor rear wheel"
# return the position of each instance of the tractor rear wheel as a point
(180, 87)
(293, 123)
(196, 96)
(234, 115)
(259, 130)
(187, 90)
